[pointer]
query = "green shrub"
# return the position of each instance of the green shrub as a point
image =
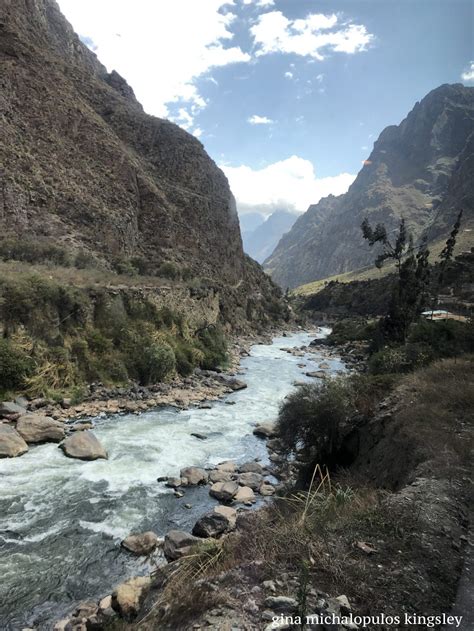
(170, 270)
(153, 362)
(351, 330)
(445, 338)
(34, 252)
(310, 419)
(212, 342)
(15, 367)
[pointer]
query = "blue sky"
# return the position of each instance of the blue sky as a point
(287, 96)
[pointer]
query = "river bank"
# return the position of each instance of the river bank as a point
(63, 520)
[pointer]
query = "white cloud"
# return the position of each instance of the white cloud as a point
(468, 75)
(312, 37)
(259, 120)
(289, 75)
(197, 132)
(290, 183)
(159, 47)
(260, 3)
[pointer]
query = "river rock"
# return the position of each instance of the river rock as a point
(141, 544)
(265, 430)
(220, 476)
(178, 544)
(251, 467)
(81, 427)
(228, 465)
(128, 597)
(173, 483)
(105, 606)
(199, 436)
(84, 446)
(317, 374)
(11, 443)
(210, 525)
(253, 480)
(281, 604)
(36, 428)
(245, 495)
(229, 513)
(224, 491)
(8, 408)
(266, 489)
(194, 475)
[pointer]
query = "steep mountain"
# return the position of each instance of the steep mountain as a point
(84, 166)
(250, 222)
(87, 175)
(261, 242)
(422, 170)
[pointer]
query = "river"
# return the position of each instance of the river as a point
(62, 520)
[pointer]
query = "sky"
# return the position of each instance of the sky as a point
(287, 96)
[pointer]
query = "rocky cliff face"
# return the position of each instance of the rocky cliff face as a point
(422, 169)
(85, 168)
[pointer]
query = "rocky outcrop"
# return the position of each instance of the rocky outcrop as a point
(421, 170)
(35, 428)
(11, 443)
(84, 446)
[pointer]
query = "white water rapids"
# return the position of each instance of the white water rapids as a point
(62, 520)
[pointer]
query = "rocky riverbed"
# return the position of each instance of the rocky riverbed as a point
(63, 520)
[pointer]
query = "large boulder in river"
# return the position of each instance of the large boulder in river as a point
(222, 519)
(36, 428)
(245, 495)
(84, 446)
(194, 475)
(251, 467)
(224, 491)
(220, 476)
(178, 544)
(265, 430)
(128, 597)
(253, 480)
(11, 443)
(141, 544)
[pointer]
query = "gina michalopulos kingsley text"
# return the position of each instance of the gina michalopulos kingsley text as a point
(351, 621)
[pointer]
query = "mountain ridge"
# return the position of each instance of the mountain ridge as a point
(421, 170)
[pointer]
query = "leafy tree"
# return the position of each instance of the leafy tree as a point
(413, 275)
(446, 256)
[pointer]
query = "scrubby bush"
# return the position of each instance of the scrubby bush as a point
(34, 252)
(15, 367)
(212, 342)
(170, 270)
(352, 330)
(154, 362)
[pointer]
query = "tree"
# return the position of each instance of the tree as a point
(413, 275)
(446, 256)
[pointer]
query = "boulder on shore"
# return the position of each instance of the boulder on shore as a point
(251, 467)
(11, 443)
(36, 428)
(228, 465)
(141, 544)
(178, 544)
(253, 480)
(266, 430)
(8, 408)
(128, 597)
(224, 491)
(220, 476)
(245, 495)
(194, 475)
(84, 446)
(210, 525)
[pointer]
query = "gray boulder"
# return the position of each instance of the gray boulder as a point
(224, 491)
(8, 408)
(253, 480)
(84, 446)
(220, 476)
(281, 604)
(178, 544)
(36, 428)
(245, 495)
(194, 475)
(141, 544)
(251, 467)
(265, 430)
(210, 525)
(11, 443)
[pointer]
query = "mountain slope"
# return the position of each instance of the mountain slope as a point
(422, 170)
(84, 166)
(261, 242)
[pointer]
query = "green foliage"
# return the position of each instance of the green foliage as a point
(212, 342)
(351, 330)
(15, 367)
(153, 362)
(444, 338)
(170, 270)
(34, 252)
